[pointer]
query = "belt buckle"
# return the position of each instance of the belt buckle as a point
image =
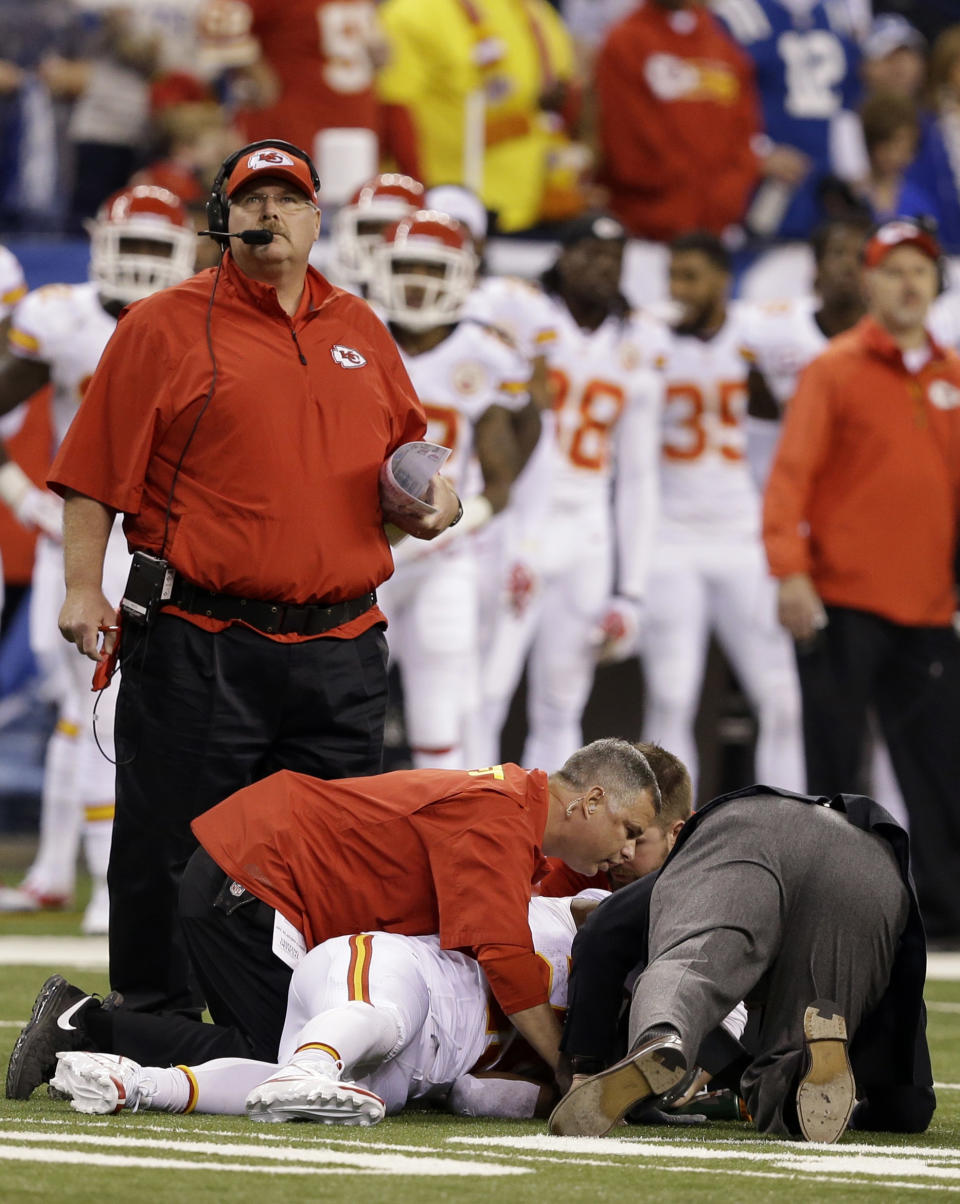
(294, 620)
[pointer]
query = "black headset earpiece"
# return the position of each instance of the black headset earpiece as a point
(218, 207)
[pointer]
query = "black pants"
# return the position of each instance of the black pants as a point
(199, 716)
(229, 935)
(911, 677)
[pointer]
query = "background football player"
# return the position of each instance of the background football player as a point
(359, 226)
(708, 570)
(469, 381)
(782, 337)
(16, 488)
(606, 405)
(142, 240)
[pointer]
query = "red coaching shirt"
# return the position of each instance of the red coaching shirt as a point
(277, 497)
(414, 852)
(864, 493)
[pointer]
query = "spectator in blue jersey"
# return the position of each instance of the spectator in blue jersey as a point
(805, 61)
(891, 131)
(894, 58)
(936, 168)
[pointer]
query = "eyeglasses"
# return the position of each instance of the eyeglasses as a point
(286, 202)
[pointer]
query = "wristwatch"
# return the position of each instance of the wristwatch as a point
(457, 517)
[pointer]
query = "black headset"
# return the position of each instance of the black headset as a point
(218, 207)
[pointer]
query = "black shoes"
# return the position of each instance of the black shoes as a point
(655, 1071)
(54, 1025)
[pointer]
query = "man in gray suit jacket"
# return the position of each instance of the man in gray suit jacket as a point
(801, 906)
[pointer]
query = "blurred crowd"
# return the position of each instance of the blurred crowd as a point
(753, 119)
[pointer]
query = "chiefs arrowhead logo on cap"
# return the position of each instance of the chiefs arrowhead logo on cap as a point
(268, 158)
(273, 161)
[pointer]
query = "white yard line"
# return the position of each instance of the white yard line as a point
(316, 1155)
(76, 952)
(842, 1166)
(869, 1161)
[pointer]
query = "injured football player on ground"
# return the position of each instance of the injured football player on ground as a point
(374, 1021)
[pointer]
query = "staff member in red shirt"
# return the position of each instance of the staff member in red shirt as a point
(860, 524)
(239, 422)
(291, 861)
(652, 848)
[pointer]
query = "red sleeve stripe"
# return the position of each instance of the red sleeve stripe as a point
(194, 1088)
(327, 1049)
(358, 973)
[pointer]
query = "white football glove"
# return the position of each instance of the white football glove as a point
(33, 507)
(616, 636)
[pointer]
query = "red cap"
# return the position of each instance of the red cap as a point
(271, 161)
(899, 233)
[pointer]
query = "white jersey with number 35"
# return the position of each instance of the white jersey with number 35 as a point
(65, 326)
(704, 476)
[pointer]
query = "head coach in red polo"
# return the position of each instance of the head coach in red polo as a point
(238, 422)
(860, 524)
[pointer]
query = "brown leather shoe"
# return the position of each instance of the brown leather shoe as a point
(652, 1071)
(827, 1091)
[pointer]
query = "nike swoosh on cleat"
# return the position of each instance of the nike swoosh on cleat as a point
(63, 1020)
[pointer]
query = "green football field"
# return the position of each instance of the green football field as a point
(50, 1153)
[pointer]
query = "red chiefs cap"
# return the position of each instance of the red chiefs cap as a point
(899, 233)
(271, 161)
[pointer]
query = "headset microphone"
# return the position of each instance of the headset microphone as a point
(253, 238)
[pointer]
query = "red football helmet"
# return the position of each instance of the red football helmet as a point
(359, 226)
(122, 262)
(423, 270)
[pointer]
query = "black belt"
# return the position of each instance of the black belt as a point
(273, 618)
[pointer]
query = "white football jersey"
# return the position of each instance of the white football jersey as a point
(779, 339)
(516, 307)
(457, 381)
(553, 928)
(705, 480)
(65, 326)
(13, 286)
(597, 377)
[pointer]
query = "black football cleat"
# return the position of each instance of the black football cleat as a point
(52, 1027)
